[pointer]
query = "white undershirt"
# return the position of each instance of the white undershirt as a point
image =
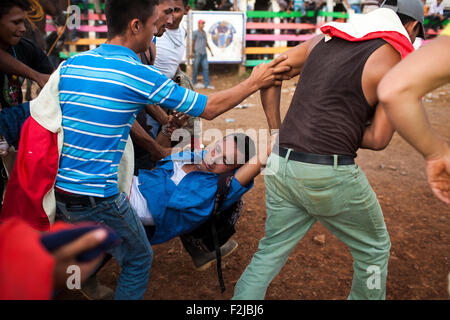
(137, 200)
(178, 172)
(139, 204)
(170, 49)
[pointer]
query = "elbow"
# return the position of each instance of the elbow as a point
(379, 146)
(209, 113)
(381, 143)
(390, 93)
(385, 94)
(374, 146)
(377, 142)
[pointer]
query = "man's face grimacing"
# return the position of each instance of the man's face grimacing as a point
(12, 27)
(165, 16)
(222, 156)
(179, 11)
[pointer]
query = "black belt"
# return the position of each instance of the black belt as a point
(79, 200)
(313, 158)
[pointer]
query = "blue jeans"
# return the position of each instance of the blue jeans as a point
(134, 254)
(201, 59)
(356, 7)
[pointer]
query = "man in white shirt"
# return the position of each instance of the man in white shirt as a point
(436, 15)
(170, 47)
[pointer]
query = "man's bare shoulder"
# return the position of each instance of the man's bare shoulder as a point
(381, 61)
(314, 41)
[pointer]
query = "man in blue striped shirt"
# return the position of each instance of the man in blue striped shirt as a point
(101, 92)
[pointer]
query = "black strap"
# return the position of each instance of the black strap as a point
(223, 187)
(342, 160)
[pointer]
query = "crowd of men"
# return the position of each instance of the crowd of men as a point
(124, 99)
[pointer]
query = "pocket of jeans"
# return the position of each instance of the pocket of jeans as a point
(325, 200)
(72, 214)
(273, 189)
(273, 198)
(121, 204)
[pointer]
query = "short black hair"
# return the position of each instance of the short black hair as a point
(245, 145)
(7, 5)
(120, 12)
(405, 19)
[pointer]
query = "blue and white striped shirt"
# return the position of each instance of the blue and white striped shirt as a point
(101, 92)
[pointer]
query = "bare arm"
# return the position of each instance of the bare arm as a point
(263, 76)
(378, 135)
(400, 94)
(251, 169)
(421, 72)
(270, 97)
(10, 65)
(145, 141)
(296, 57)
(157, 113)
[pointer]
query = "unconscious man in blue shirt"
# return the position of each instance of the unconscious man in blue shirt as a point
(178, 196)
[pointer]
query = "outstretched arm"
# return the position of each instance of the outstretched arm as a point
(251, 169)
(400, 94)
(263, 76)
(10, 65)
(270, 97)
(144, 140)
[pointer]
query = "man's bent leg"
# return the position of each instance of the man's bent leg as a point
(363, 229)
(134, 254)
(286, 225)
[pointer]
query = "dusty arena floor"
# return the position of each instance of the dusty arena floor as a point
(417, 222)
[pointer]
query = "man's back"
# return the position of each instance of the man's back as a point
(329, 109)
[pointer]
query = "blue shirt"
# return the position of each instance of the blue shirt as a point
(180, 209)
(101, 92)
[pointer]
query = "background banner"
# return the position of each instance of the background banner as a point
(225, 32)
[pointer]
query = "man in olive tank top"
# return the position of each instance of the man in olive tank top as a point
(311, 174)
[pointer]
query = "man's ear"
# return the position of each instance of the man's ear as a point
(186, 9)
(135, 26)
(412, 26)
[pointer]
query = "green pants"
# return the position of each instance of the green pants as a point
(340, 197)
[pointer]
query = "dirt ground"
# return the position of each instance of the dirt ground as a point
(417, 222)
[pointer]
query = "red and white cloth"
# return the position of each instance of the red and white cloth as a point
(30, 193)
(381, 23)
